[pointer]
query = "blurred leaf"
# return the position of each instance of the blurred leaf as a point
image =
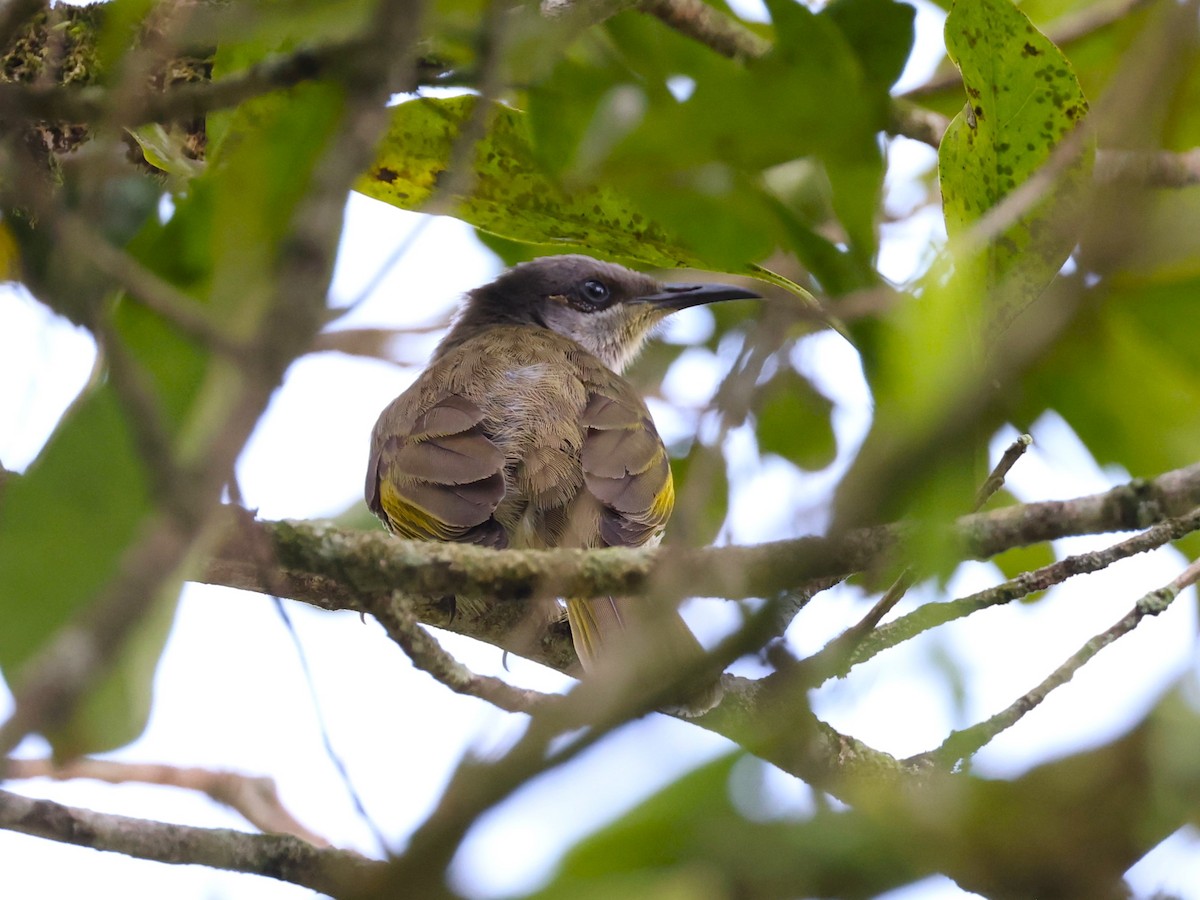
(913, 462)
(701, 497)
(683, 134)
(934, 411)
(1023, 100)
(64, 526)
(453, 27)
(880, 32)
(53, 269)
(693, 826)
(260, 174)
(658, 833)
(87, 498)
(1126, 376)
(249, 33)
(794, 421)
(1068, 828)
(116, 709)
(1161, 245)
(706, 145)
(837, 271)
(82, 498)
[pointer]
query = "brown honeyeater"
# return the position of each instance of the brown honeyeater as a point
(522, 433)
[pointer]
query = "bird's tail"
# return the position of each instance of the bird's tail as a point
(605, 628)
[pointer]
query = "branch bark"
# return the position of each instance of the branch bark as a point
(283, 857)
(327, 567)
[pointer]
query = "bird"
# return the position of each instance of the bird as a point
(521, 432)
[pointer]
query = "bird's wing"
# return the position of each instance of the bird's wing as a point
(625, 467)
(440, 479)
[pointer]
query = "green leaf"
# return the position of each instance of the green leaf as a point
(1126, 376)
(880, 32)
(657, 833)
(794, 421)
(690, 840)
(1023, 101)
(116, 709)
(695, 163)
(259, 175)
(510, 195)
(718, 141)
(64, 526)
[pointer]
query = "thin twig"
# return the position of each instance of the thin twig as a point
(398, 253)
(372, 343)
(144, 287)
(1150, 169)
(961, 745)
(834, 655)
(932, 615)
(335, 758)
(907, 119)
(400, 622)
(995, 479)
(182, 101)
(254, 797)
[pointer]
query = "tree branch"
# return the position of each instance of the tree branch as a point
(334, 569)
(400, 622)
(283, 857)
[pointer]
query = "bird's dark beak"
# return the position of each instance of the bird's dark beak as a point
(674, 297)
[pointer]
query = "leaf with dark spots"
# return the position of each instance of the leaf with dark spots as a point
(1007, 136)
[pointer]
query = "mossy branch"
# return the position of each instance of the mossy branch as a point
(325, 566)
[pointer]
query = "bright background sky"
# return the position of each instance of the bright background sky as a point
(230, 693)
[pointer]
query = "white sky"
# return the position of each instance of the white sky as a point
(230, 693)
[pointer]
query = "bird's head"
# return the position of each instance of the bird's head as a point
(605, 308)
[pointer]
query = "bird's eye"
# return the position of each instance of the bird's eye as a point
(596, 292)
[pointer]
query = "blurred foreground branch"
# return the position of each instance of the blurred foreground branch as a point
(277, 856)
(255, 798)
